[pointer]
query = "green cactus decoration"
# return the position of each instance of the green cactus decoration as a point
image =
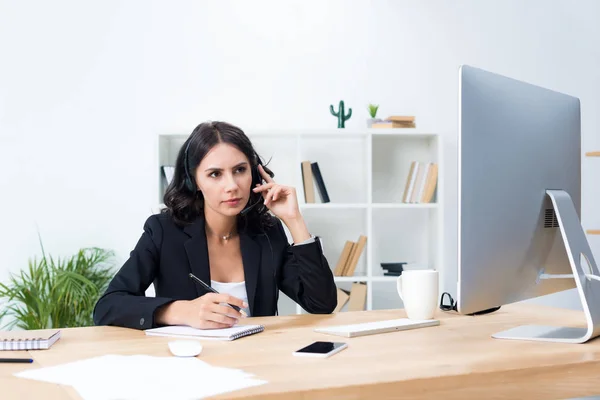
(340, 114)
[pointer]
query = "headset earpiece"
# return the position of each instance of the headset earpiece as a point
(189, 183)
(255, 176)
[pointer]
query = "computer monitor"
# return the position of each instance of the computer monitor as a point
(519, 201)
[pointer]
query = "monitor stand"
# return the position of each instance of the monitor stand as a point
(577, 247)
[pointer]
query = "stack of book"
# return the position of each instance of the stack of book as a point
(351, 252)
(393, 269)
(346, 266)
(397, 268)
(356, 297)
(421, 182)
(396, 121)
(311, 175)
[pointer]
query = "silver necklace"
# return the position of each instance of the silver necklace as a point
(226, 237)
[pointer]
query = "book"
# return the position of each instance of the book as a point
(420, 178)
(343, 260)
(412, 181)
(342, 299)
(354, 256)
(409, 181)
(401, 118)
(34, 339)
(233, 333)
(168, 173)
(308, 182)
(392, 124)
(391, 273)
(431, 184)
(358, 296)
(320, 183)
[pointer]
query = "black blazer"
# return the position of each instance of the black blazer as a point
(165, 254)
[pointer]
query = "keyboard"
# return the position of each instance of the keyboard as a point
(371, 328)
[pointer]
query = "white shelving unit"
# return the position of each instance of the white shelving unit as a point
(365, 173)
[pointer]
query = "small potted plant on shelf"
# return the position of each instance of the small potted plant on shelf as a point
(373, 113)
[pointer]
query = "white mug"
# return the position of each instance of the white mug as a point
(418, 290)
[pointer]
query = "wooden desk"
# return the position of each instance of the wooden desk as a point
(456, 360)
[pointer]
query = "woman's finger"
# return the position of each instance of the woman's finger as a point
(205, 324)
(264, 174)
(226, 310)
(263, 187)
(211, 315)
(269, 195)
(277, 192)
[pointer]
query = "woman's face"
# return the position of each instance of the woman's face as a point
(224, 177)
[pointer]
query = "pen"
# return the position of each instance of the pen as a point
(205, 286)
(16, 360)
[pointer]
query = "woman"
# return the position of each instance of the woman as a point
(217, 226)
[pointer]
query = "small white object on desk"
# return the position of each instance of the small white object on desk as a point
(371, 328)
(185, 348)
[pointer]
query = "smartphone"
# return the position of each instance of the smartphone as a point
(321, 349)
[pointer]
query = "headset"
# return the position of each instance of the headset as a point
(256, 178)
(189, 182)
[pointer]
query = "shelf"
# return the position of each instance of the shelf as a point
(365, 278)
(365, 172)
(325, 206)
(341, 132)
(319, 132)
(404, 205)
(383, 279)
(593, 232)
(593, 154)
(351, 278)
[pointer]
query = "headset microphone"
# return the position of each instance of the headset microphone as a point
(255, 179)
(245, 210)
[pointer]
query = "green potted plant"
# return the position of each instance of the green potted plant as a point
(56, 293)
(373, 113)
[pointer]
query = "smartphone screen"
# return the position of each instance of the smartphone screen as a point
(321, 347)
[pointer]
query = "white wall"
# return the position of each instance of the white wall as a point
(85, 89)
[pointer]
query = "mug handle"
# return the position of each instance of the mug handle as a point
(399, 287)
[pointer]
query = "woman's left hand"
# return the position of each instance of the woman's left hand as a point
(280, 200)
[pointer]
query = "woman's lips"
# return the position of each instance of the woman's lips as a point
(232, 202)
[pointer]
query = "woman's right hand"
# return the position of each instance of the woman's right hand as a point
(205, 312)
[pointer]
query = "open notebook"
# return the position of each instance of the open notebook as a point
(35, 339)
(232, 333)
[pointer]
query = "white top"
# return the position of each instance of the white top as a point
(235, 289)
(238, 289)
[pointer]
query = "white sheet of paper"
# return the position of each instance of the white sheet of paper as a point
(144, 377)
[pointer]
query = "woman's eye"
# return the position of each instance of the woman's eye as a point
(241, 170)
(214, 174)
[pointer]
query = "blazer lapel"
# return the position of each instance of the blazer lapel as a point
(251, 258)
(197, 252)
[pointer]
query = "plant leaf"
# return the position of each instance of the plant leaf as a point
(57, 292)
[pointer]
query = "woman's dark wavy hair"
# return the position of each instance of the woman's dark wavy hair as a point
(184, 202)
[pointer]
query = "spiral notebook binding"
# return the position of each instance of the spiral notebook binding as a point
(21, 342)
(248, 332)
